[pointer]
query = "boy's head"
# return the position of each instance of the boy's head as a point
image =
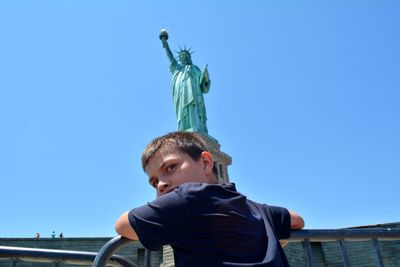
(176, 158)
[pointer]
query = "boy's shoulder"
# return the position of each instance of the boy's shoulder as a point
(207, 190)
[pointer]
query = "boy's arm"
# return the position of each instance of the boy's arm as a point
(296, 221)
(124, 228)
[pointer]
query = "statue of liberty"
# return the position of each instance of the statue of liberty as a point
(189, 84)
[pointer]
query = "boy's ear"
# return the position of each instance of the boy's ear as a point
(208, 161)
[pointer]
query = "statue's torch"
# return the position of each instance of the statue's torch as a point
(164, 35)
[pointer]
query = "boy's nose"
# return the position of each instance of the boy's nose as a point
(162, 187)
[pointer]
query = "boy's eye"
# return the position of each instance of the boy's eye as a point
(171, 167)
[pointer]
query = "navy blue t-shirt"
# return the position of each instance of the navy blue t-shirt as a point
(213, 225)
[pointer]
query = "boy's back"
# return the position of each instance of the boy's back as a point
(212, 225)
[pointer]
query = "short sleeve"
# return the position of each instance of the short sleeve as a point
(159, 222)
(280, 218)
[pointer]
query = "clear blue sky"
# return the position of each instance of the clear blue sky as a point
(305, 97)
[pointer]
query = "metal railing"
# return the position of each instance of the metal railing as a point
(105, 255)
(56, 257)
(340, 235)
(308, 236)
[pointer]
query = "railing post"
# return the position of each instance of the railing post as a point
(346, 262)
(379, 260)
(146, 258)
(307, 246)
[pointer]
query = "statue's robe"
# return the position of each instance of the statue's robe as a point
(188, 98)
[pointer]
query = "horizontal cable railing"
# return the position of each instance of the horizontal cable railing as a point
(105, 255)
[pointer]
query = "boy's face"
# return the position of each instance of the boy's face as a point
(169, 168)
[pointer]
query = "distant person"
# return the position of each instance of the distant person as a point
(37, 236)
(61, 235)
(53, 235)
(207, 224)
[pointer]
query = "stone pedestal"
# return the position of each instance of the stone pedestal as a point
(168, 257)
(221, 160)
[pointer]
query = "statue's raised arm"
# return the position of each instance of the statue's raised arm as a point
(189, 84)
(164, 38)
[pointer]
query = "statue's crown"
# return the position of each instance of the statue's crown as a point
(185, 50)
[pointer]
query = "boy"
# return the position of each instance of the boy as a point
(206, 224)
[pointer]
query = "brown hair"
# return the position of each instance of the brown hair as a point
(186, 142)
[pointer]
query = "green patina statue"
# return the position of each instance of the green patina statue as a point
(189, 84)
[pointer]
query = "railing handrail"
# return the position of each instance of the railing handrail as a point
(58, 256)
(109, 248)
